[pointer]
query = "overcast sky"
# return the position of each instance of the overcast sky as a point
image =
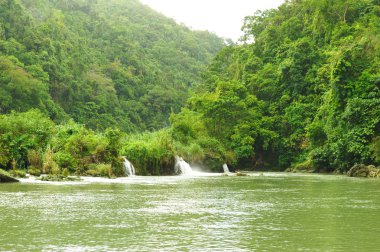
(224, 17)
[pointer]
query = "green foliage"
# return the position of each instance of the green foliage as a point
(104, 63)
(100, 170)
(35, 159)
(49, 165)
(79, 149)
(18, 173)
(65, 160)
(112, 150)
(65, 173)
(306, 166)
(34, 171)
(302, 89)
(21, 132)
(150, 153)
(193, 142)
(6, 177)
(375, 148)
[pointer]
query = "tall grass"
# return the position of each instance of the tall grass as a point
(151, 153)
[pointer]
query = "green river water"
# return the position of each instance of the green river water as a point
(262, 212)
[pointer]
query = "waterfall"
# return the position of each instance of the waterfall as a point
(225, 169)
(181, 166)
(129, 168)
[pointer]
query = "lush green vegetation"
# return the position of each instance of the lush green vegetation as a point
(104, 63)
(31, 140)
(301, 90)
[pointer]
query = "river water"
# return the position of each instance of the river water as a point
(262, 212)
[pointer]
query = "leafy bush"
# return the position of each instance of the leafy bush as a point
(22, 132)
(34, 171)
(6, 177)
(35, 158)
(100, 170)
(151, 153)
(375, 148)
(18, 173)
(65, 160)
(65, 173)
(306, 166)
(49, 165)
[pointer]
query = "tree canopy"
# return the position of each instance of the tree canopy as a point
(101, 62)
(301, 89)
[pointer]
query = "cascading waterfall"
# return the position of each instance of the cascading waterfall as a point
(181, 166)
(129, 168)
(225, 168)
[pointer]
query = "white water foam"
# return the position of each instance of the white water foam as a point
(181, 167)
(129, 168)
(225, 168)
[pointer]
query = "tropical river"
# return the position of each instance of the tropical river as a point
(262, 212)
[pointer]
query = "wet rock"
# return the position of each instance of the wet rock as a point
(5, 177)
(241, 174)
(364, 171)
(59, 178)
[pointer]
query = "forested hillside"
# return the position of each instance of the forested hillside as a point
(301, 91)
(101, 62)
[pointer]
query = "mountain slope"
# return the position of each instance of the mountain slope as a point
(103, 63)
(304, 94)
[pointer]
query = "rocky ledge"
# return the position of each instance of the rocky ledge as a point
(364, 171)
(5, 177)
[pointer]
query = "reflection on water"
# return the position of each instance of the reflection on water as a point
(264, 212)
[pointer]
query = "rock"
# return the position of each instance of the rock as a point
(59, 178)
(304, 167)
(364, 171)
(242, 174)
(5, 177)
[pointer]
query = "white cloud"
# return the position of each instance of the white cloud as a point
(224, 17)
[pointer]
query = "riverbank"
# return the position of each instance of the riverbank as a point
(119, 180)
(177, 179)
(75, 180)
(5, 177)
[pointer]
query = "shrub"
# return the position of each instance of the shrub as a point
(35, 158)
(65, 160)
(375, 148)
(20, 132)
(49, 165)
(150, 153)
(34, 171)
(65, 173)
(306, 166)
(118, 168)
(6, 177)
(18, 173)
(100, 170)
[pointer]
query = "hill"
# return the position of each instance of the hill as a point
(301, 91)
(101, 62)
